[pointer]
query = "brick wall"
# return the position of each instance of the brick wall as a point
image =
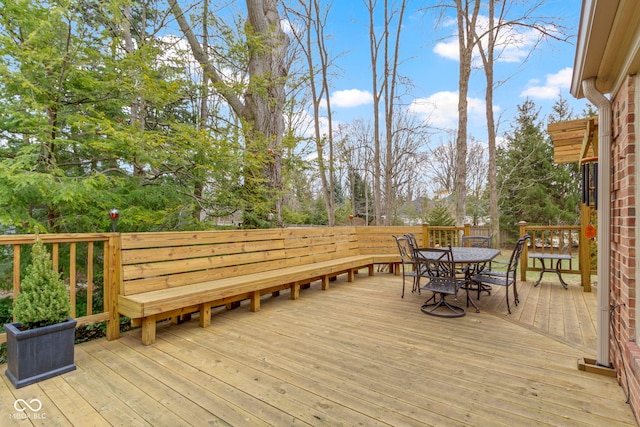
(623, 245)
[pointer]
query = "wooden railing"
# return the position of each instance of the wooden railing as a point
(440, 236)
(88, 262)
(546, 239)
(85, 262)
(558, 240)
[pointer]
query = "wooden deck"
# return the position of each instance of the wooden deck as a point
(356, 354)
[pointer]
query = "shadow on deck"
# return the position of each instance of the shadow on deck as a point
(356, 354)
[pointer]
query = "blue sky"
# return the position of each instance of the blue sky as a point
(429, 59)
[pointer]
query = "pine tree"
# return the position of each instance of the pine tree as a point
(532, 188)
(44, 299)
(440, 215)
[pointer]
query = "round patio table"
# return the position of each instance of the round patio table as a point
(474, 259)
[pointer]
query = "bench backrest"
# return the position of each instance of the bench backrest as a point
(309, 245)
(153, 261)
(379, 240)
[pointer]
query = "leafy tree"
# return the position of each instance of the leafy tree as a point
(72, 147)
(440, 215)
(361, 196)
(567, 183)
(259, 105)
(531, 187)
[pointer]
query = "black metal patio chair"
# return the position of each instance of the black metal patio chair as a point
(437, 266)
(478, 242)
(505, 278)
(409, 267)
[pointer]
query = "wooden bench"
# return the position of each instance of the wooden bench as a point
(172, 275)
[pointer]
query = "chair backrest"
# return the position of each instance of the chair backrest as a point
(477, 241)
(413, 242)
(435, 262)
(515, 256)
(405, 248)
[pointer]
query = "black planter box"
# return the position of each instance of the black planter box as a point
(38, 354)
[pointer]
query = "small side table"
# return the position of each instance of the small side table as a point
(558, 258)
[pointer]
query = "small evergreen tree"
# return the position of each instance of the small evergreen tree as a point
(440, 215)
(44, 299)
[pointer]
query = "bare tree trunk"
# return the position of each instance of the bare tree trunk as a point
(267, 71)
(466, 30)
(374, 48)
(491, 128)
(390, 75)
(198, 180)
(315, 21)
(137, 120)
(262, 109)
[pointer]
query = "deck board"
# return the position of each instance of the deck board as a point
(356, 354)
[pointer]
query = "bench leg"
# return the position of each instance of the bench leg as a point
(232, 305)
(295, 291)
(205, 315)
(370, 270)
(149, 330)
(255, 301)
(351, 276)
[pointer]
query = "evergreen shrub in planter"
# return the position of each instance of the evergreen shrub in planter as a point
(40, 344)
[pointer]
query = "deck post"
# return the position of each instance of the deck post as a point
(524, 260)
(425, 235)
(112, 283)
(584, 255)
(466, 232)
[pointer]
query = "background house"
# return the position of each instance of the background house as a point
(606, 73)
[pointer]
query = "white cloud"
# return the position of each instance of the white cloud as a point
(441, 109)
(351, 98)
(552, 86)
(448, 49)
(176, 51)
(288, 27)
(513, 44)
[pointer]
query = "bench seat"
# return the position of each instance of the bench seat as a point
(172, 275)
(166, 300)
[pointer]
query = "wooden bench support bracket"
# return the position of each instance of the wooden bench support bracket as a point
(149, 330)
(295, 291)
(205, 315)
(325, 283)
(255, 301)
(232, 305)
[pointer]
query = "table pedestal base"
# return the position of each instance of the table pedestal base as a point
(440, 307)
(551, 269)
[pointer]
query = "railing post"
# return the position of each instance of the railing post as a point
(16, 272)
(524, 259)
(425, 235)
(584, 252)
(112, 280)
(467, 230)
